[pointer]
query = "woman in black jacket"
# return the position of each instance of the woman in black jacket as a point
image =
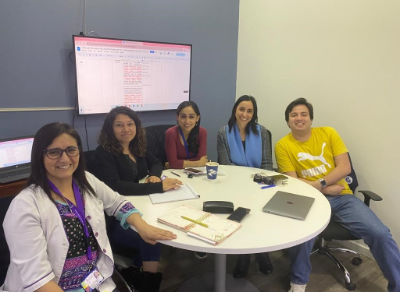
(120, 161)
(122, 158)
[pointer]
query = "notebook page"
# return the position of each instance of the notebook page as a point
(185, 192)
(218, 229)
(174, 217)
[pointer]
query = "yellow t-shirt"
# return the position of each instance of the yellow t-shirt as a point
(314, 158)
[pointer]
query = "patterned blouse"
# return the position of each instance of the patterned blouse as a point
(77, 265)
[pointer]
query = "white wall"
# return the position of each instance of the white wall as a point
(344, 57)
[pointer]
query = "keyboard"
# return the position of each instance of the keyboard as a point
(15, 175)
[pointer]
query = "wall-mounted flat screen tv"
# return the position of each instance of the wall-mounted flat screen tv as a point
(142, 75)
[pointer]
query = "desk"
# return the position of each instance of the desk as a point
(260, 232)
(11, 189)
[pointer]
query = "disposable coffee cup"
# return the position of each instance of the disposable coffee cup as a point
(212, 170)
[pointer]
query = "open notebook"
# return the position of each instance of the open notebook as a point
(199, 224)
(185, 192)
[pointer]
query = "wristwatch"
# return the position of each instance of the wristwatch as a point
(323, 182)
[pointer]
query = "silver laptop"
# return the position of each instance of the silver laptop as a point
(15, 159)
(289, 205)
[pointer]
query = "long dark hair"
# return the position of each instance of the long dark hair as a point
(193, 145)
(253, 123)
(107, 138)
(43, 138)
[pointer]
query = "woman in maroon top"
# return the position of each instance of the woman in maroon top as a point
(186, 143)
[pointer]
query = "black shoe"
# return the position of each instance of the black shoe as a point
(264, 263)
(241, 266)
(151, 282)
(132, 276)
(200, 255)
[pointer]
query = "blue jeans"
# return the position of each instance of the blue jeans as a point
(130, 238)
(353, 214)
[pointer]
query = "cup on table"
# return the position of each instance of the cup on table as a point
(212, 170)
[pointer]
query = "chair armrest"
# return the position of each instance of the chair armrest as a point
(368, 196)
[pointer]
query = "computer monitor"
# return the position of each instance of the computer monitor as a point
(144, 76)
(15, 152)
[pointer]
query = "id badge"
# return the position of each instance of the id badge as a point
(92, 280)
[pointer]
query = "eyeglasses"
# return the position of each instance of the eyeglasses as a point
(56, 153)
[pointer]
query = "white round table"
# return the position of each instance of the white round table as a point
(260, 232)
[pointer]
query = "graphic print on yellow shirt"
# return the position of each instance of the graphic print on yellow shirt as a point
(314, 171)
(314, 158)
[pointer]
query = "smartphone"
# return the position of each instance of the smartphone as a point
(238, 214)
(193, 170)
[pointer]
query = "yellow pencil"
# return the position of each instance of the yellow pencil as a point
(195, 221)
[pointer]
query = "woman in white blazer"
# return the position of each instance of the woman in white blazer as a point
(55, 228)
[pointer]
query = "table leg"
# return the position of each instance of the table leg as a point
(219, 281)
(220, 272)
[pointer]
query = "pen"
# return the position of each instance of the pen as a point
(266, 187)
(195, 221)
(175, 173)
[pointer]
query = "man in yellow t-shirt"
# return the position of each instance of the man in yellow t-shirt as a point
(314, 158)
(319, 157)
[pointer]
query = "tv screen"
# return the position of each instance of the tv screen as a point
(144, 76)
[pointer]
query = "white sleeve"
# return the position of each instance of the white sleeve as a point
(27, 243)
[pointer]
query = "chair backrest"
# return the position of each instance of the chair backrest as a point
(270, 139)
(4, 252)
(155, 136)
(270, 147)
(88, 159)
(351, 179)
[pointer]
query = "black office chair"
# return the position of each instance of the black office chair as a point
(270, 147)
(88, 159)
(155, 136)
(4, 252)
(270, 138)
(335, 231)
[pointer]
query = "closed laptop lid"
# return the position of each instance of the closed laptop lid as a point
(15, 153)
(289, 205)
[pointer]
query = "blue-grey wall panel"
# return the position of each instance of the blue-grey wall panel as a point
(36, 42)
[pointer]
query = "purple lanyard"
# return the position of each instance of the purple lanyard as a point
(79, 212)
(184, 142)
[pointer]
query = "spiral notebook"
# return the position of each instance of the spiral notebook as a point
(201, 225)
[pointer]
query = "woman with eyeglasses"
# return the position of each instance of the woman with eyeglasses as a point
(55, 228)
(186, 143)
(244, 142)
(121, 160)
